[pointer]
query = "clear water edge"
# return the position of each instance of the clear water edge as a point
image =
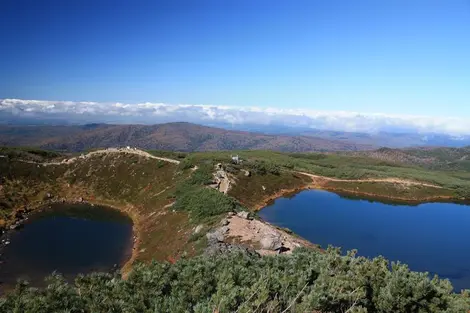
(429, 237)
(69, 239)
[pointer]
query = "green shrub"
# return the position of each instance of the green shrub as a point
(263, 168)
(186, 164)
(203, 203)
(202, 176)
(305, 281)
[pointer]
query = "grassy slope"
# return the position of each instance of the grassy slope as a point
(250, 192)
(143, 187)
(391, 191)
(454, 183)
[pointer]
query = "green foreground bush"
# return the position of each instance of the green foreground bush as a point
(306, 281)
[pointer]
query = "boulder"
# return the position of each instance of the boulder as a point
(243, 214)
(198, 228)
(271, 242)
(218, 248)
(223, 229)
(224, 222)
(215, 236)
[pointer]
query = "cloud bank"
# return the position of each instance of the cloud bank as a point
(150, 113)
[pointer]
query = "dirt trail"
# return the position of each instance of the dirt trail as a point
(106, 151)
(222, 181)
(224, 185)
(318, 178)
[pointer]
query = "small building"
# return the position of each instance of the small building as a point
(235, 159)
(128, 148)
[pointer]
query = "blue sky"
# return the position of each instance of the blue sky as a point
(394, 57)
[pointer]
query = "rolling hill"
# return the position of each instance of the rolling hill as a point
(170, 269)
(389, 139)
(172, 136)
(441, 158)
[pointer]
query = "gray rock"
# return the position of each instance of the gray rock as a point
(224, 222)
(198, 228)
(243, 214)
(217, 248)
(215, 236)
(271, 242)
(223, 229)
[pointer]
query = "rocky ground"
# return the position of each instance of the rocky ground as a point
(222, 181)
(241, 232)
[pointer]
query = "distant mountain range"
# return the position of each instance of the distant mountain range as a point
(192, 137)
(169, 136)
(379, 139)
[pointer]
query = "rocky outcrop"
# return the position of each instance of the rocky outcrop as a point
(217, 235)
(244, 214)
(271, 242)
(198, 229)
(240, 232)
(217, 248)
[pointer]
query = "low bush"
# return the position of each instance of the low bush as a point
(200, 201)
(263, 167)
(305, 281)
(203, 203)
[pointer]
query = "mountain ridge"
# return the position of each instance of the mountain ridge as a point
(178, 136)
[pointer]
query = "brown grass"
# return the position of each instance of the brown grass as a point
(136, 185)
(249, 190)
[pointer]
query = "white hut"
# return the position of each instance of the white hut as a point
(235, 159)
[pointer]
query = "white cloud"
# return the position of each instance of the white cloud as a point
(160, 112)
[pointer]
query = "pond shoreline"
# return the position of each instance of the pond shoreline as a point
(400, 232)
(269, 199)
(17, 222)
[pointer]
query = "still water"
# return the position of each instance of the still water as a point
(69, 239)
(432, 237)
